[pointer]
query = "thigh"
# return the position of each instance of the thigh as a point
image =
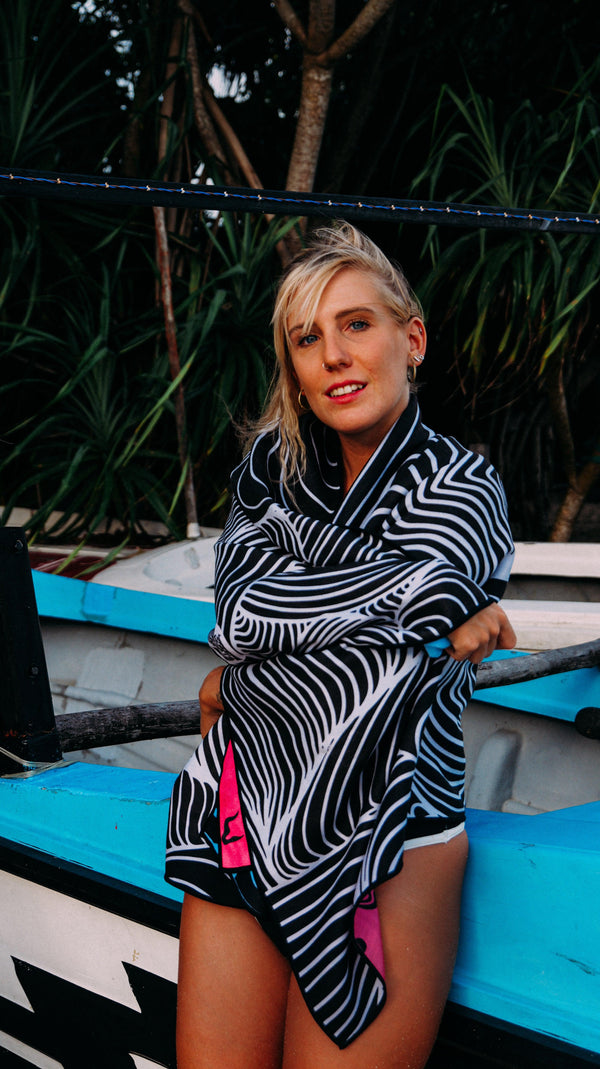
(419, 912)
(232, 990)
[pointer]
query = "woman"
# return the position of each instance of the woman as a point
(318, 831)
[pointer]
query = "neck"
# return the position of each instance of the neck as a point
(354, 456)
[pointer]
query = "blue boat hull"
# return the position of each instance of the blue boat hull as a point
(529, 958)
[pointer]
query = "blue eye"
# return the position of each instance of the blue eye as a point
(358, 324)
(307, 339)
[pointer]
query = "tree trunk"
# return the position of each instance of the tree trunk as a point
(319, 58)
(162, 244)
(134, 134)
(574, 498)
(232, 140)
(317, 76)
(204, 123)
(314, 104)
(580, 483)
(167, 114)
(557, 398)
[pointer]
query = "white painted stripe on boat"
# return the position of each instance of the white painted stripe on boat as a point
(28, 1054)
(76, 941)
(569, 560)
(541, 625)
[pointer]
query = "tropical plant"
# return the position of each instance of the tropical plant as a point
(235, 370)
(52, 82)
(57, 112)
(129, 86)
(97, 442)
(89, 451)
(520, 307)
(223, 312)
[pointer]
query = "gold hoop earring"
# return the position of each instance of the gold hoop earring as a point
(303, 408)
(411, 374)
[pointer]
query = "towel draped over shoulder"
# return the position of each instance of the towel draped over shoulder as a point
(341, 736)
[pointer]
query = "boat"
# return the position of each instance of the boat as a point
(553, 595)
(119, 636)
(134, 632)
(89, 947)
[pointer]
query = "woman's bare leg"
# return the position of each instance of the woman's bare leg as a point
(232, 991)
(419, 912)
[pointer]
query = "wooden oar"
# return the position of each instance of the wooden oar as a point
(132, 723)
(535, 665)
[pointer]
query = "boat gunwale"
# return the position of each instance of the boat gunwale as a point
(88, 885)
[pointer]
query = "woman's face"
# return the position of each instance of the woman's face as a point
(353, 362)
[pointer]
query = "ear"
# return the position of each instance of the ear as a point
(417, 338)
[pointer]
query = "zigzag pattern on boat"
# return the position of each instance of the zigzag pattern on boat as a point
(78, 1027)
(343, 728)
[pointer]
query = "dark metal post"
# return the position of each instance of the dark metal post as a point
(27, 724)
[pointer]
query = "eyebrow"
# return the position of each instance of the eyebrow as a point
(368, 308)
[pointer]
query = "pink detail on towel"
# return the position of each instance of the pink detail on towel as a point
(367, 931)
(234, 845)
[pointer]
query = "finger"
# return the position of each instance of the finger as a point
(507, 639)
(461, 653)
(473, 648)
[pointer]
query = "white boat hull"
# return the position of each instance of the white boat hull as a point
(88, 949)
(97, 667)
(71, 971)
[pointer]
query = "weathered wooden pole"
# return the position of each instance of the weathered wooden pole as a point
(166, 289)
(132, 723)
(535, 665)
(28, 730)
(129, 723)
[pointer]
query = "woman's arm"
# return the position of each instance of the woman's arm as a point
(389, 603)
(211, 704)
(293, 583)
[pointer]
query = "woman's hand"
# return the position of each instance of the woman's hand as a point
(209, 697)
(489, 630)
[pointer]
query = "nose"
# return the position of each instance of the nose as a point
(334, 352)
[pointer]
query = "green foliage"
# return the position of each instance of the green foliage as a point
(233, 366)
(224, 338)
(57, 107)
(86, 402)
(515, 300)
(95, 437)
(45, 102)
(87, 450)
(519, 309)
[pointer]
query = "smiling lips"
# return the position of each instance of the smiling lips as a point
(344, 390)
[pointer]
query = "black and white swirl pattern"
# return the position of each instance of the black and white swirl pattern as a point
(346, 733)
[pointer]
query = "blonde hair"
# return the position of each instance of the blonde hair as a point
(330, 249)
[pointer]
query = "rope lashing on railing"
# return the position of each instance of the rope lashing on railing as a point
(110, 190)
